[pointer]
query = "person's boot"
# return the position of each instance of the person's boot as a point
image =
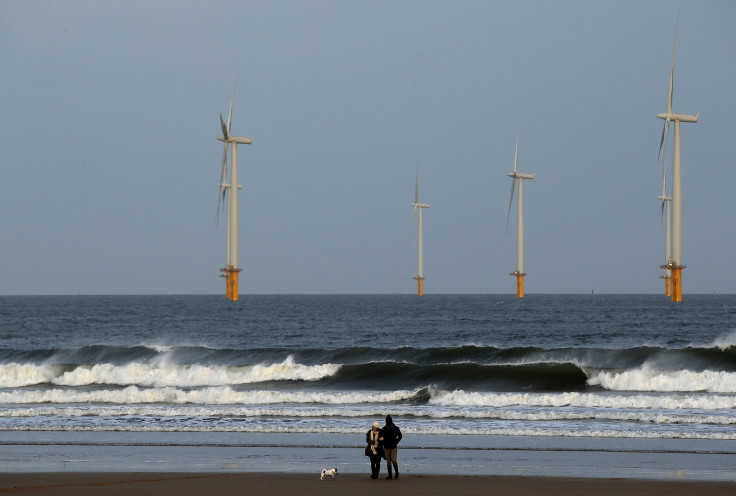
(396, 471)
(389, 473)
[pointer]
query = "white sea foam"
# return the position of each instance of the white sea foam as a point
(166, 348)
(647, 378)
(725, 342)
(468, 431)
(337, 412)
(24, 374)
(456, 403)
(160, 348)
(161, 374)
(221, 395)
(583, 400)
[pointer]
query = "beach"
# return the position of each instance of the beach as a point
(129, 463)
(187, 484)
(420, 455)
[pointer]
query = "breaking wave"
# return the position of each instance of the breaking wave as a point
(159, 374)
(468, 367)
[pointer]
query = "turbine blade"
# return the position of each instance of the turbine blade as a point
(223, 189)
(508, 214)
(664, 179)
(516, 152)
(416, 187)
(664, 154)
(413, 216)
(672, 67)
(661, 210)
(661, 141)
(220, 205)
(230, 116)
(223, 175)
(225, 132)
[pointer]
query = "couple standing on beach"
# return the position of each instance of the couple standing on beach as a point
(382, 443)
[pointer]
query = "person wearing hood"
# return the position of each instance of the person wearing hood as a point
(374, 450)
(390, 436)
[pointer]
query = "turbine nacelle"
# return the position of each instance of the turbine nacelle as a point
(227, 186)
(679, 117)
(519, 175)
(236, 139)
(420, 205)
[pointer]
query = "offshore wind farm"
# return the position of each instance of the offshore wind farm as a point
(673, 223)
(339, 116)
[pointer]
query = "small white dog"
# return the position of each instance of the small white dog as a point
(325, 472)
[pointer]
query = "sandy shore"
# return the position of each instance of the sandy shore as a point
(185, 484)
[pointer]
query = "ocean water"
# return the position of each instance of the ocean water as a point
(547, 366)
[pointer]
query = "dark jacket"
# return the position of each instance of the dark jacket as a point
(391, 435)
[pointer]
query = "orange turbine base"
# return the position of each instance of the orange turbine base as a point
(677, 284)
(233, 285)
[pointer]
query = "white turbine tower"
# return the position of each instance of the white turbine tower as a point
(229, 191)
(420, 275)
(519, 272)
(675, 263)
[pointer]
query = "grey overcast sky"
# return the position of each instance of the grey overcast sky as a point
(110, 163)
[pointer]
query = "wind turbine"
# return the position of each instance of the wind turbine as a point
(229, 196)
(420, 275)
(675, 263)
(519, 272)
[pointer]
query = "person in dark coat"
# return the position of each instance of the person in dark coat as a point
(374, 450)
(390, 436)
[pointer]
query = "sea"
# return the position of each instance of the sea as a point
(461, 368)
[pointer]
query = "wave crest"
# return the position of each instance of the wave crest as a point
(161, 374)
(222, 395)
(647, 378)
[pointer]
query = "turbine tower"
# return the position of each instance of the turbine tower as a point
(519, 272)
(420, 275)
(229, 197)
(675, 263)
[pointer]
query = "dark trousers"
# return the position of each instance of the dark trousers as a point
(375, 464)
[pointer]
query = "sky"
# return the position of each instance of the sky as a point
(110, 162)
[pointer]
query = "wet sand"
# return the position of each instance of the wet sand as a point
(191, 484)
